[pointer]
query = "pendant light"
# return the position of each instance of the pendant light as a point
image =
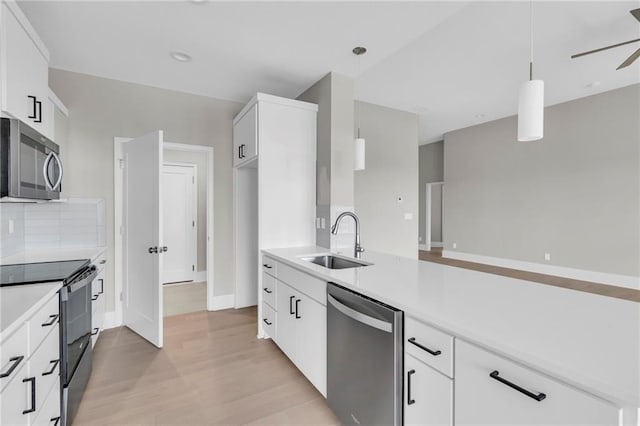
(531, 98)
(359, 144)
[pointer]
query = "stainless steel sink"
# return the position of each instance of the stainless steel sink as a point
(334, 262)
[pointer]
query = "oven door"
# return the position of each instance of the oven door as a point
(76, 323)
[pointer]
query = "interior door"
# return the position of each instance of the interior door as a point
(179, 232)
(142, 218)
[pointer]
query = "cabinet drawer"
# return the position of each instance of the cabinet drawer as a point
(428, 395)
(304, 283)
(97, 318)
(97, 287)
(429, 345)
(50, 411)
(482, 399)
(42, 322)
(269, 290)
(269, 266)
(44, 365)
(14, 354)
(16, 398)
(269, 320)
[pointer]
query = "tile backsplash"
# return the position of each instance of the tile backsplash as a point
(75, 223)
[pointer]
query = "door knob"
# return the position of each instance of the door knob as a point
(153, 249)
(164, 249)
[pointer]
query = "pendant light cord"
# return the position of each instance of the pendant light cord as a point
(530, 39)
(356, 87)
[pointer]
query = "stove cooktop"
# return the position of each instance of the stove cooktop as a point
(32, 273)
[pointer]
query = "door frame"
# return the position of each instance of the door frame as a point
(427, 215)
(118, 220)
(194, 207)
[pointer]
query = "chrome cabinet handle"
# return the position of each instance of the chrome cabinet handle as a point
(16, 360)
(412, 340)
(55, 363)
(495, 374)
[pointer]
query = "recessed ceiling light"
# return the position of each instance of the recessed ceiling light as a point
(592, 85)
(180, 56)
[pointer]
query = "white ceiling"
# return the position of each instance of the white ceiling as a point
(454, 63)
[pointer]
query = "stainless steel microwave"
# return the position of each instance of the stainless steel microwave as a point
(30, 165)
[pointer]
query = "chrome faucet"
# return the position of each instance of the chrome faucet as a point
(357, 250)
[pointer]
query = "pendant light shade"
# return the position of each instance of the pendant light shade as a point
(531, 111)
(358, 163)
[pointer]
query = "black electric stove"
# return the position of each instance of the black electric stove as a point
(31, 273)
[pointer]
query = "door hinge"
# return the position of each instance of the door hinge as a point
(193, 268)
(121, 161)
(193, 223)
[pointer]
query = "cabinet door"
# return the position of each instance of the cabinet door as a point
(428, 395)
(245, 137)
(286, 330)
(483, 398)
(16, 398)
(26, 74)
(311, 340)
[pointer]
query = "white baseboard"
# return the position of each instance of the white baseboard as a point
(200, 276)
(225, 301)
(433, 244)
(423, 247)
(559, 271)
(110, 321)
(437, 244)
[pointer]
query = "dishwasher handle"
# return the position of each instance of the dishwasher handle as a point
(385, 326)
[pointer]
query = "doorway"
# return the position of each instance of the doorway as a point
(434, 197)
(152, 291)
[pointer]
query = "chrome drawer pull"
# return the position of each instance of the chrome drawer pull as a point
(412, 340)
(538, 397)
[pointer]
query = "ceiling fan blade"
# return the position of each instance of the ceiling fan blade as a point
(631, 59)
(635, 13)
(577, 55)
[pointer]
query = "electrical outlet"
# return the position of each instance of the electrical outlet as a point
(455, 245)
(317, 223)
(11, 226)
(322, 223)
(547, 257)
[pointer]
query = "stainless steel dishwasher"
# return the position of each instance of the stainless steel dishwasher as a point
(364, 359)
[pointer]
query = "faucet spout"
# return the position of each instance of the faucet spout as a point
(334, 230)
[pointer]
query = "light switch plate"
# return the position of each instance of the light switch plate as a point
(11, 226)
(408, 216)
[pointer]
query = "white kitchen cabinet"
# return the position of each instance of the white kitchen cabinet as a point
(428, 395)
(492, 390)
(301, 333)
(429, 345)
(24, 77)
(245, 137)
(274, 179)
(31, 371)
(98, 300)
(269, 320)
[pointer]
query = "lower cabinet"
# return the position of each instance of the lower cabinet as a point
(491, 390)
(98, 301)
(301, 333)
(428, 395)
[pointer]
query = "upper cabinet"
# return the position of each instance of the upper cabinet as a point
(245, 137)
(24, 74)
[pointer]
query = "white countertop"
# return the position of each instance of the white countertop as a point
(54, 255)
(17, 303)
(587, 340)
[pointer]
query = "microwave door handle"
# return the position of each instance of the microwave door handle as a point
(59, 181)
(45, 171)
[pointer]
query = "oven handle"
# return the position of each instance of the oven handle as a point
(45, 171)
(56, 186)
(71, 288)
(387, 327)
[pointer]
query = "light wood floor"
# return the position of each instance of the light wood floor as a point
(435, 255)
(212, 370)
(184, 298)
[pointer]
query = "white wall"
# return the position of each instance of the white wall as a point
(391, 172)
(101, 109)
(574, 194)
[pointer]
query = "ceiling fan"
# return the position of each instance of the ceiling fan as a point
(631, 59)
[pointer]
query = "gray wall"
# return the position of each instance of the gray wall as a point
(574, 194)
(431, 157)
(200, 160)
(101, 109)
(334, 180)
(391, 172)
